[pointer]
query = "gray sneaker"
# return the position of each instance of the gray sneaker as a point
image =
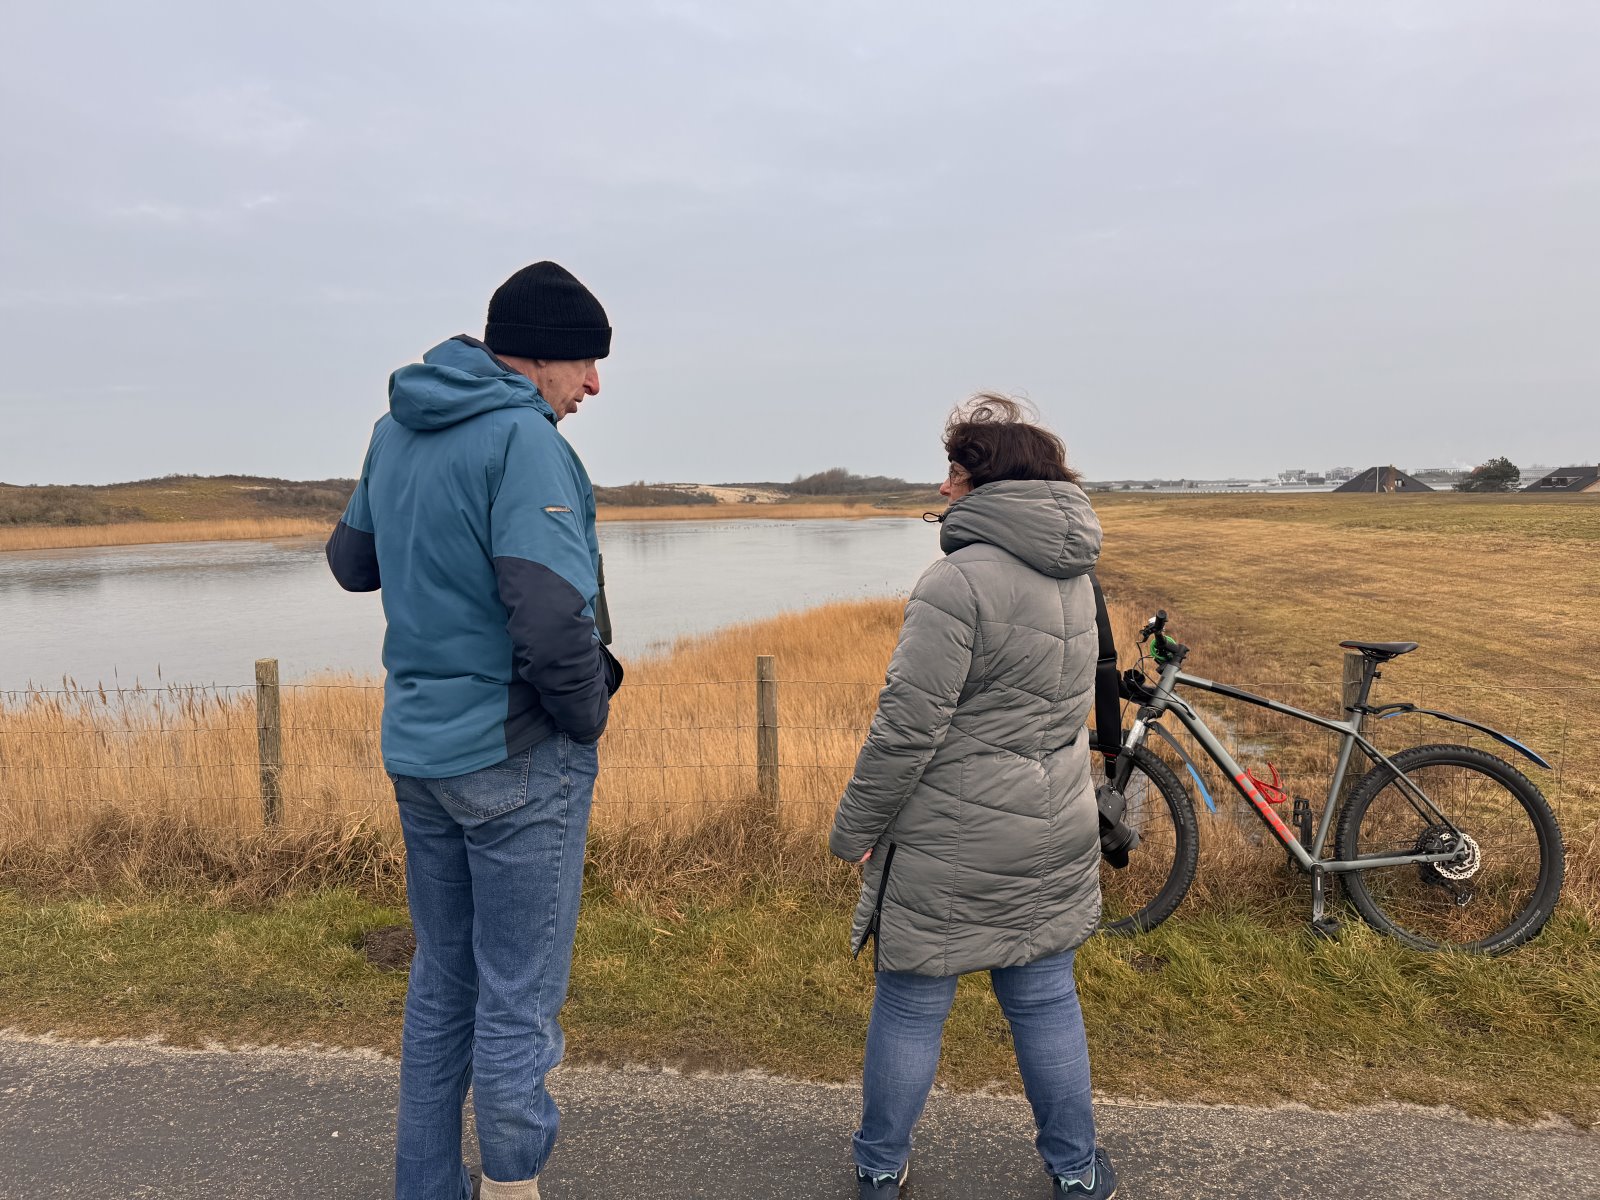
(1100, 1185)
(881, 1187)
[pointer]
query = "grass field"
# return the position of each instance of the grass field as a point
(1231, 1005)
(142, 897)
(1503, 593)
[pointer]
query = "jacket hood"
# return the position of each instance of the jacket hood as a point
(1048, 525)
(456, 380)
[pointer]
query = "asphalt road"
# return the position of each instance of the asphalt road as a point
(118, 1122)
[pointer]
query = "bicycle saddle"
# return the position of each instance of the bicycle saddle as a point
(1381, 651)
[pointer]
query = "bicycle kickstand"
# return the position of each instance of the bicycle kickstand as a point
(1322, 925)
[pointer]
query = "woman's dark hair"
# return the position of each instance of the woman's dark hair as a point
(992, 438)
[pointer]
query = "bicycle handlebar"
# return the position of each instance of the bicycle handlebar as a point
(1154, 625)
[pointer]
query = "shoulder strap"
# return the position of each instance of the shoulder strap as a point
(1107, 700)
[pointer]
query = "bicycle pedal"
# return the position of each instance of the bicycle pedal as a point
(1326, 928)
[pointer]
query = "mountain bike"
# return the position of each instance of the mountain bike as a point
(1439, 846)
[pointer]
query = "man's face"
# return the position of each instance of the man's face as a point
(565, 382)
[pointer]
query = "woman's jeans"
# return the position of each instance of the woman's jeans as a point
(494, 870)
(1040, 1002)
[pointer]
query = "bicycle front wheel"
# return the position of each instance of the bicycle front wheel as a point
(1504, 883)
(1160, 869)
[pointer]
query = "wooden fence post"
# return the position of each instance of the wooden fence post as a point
(1355, 669)
(767, 732)
(269, 741)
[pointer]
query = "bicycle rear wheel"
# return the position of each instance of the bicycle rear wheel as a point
(1160, 869)
(1501, 890)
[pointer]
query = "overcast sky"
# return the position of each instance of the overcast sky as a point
(1204, 238)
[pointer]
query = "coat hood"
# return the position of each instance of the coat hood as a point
(456, 380)
(1048, 525)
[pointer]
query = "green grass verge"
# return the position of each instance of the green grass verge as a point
(1235, 1006)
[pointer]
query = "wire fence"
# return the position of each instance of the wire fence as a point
(303, 755)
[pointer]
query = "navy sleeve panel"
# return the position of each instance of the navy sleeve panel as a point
(353, 558)
(553, 640)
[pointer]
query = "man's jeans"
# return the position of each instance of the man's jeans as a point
(1040, 1001)
(494, 869)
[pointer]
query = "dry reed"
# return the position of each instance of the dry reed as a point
(681, 739)
(145, 533)
(145, 786)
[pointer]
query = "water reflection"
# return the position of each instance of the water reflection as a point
(203, 612)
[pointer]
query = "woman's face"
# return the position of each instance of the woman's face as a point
(956, 484)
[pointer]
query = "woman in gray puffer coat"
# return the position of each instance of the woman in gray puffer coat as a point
(972, 806)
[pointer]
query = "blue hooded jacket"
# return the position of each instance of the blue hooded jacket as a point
(477, 520)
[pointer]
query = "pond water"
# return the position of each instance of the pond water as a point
(202, 613)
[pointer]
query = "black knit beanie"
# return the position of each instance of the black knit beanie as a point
(544, 312)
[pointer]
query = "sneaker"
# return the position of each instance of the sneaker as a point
(881, 1187)
(1101, 1184)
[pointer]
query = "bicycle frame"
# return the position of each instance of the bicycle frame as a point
(1164, 700)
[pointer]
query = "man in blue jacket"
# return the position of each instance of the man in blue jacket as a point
(477, 520)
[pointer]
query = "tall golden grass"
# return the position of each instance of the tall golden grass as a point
(678, 762)
(145, 533)
(681, 740)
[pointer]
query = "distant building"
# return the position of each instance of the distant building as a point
(1567, 479)
(1384, 481)
(1340, 474)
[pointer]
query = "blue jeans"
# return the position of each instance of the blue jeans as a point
(1040, 1001)
(494, 871)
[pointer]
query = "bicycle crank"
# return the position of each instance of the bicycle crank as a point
(1322, 925)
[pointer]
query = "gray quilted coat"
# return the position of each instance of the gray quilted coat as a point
(973, 789)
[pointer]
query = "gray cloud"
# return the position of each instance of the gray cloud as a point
(1204, 239)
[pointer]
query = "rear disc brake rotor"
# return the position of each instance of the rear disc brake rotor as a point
(1440, 839)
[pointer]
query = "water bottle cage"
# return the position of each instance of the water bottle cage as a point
(1273, 792)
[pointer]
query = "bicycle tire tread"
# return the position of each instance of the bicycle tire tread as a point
(1526, 925)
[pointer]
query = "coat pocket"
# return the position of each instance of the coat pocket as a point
(875, 921)
(614, 671)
